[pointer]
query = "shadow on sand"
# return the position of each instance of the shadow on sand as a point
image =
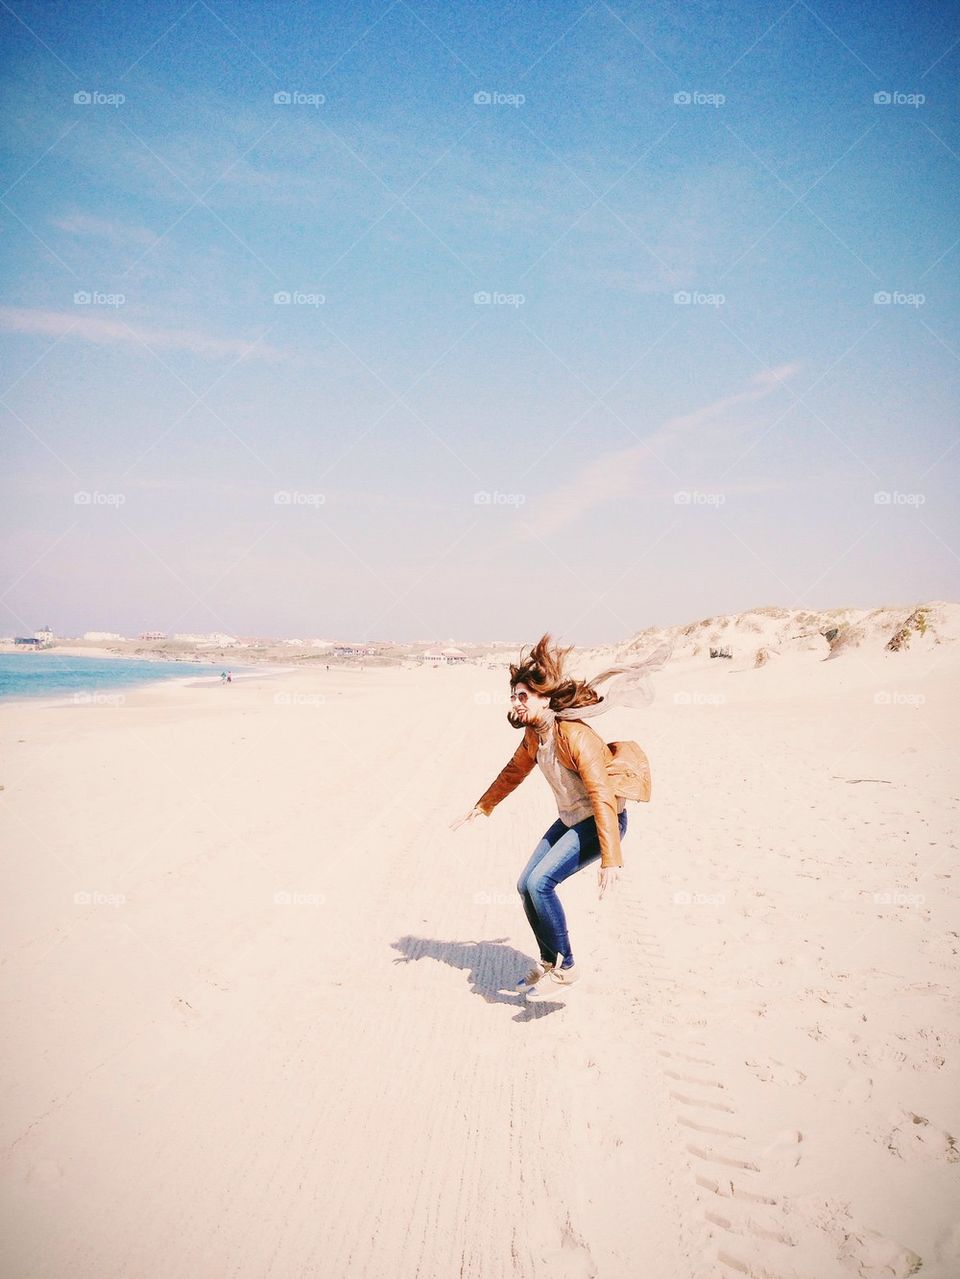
(491, 966)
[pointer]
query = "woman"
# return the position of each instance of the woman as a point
(590, 781)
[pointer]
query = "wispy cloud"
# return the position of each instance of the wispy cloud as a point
(109, 332)
(116, 232)
(679, 441)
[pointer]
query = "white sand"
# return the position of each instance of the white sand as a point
(759, 1075)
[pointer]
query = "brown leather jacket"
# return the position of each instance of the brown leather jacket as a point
(607, 770)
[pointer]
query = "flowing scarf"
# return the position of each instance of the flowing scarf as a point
(627, 685)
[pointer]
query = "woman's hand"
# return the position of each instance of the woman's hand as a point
(607, 876)
(467, 817)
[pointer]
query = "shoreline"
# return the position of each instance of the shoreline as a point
(103, 694)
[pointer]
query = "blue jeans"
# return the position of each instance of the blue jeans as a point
(562, 851)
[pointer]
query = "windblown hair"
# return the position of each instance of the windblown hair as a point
(543, 671)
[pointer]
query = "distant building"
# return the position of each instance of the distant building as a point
(102, 635)
(44, 635)
(443, 656)
(152, 635)
(27, 641)
(356, 650)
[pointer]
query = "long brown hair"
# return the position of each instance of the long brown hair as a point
(543, 671)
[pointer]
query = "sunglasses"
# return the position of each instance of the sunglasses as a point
(518, 697)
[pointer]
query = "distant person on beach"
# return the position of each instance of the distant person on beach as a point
(591, 781)
(229, 677)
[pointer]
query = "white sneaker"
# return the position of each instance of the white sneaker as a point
(566, 976)
(536, 974)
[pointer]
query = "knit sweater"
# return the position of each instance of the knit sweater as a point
(573, 801)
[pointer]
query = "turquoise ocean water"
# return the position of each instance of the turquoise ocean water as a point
(25, 675)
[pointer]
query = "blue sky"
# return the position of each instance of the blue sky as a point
(596, 350)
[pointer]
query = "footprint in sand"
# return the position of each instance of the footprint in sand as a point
(875, 1254)
(882, 1057)
(915, 1137)
(859, 1250)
